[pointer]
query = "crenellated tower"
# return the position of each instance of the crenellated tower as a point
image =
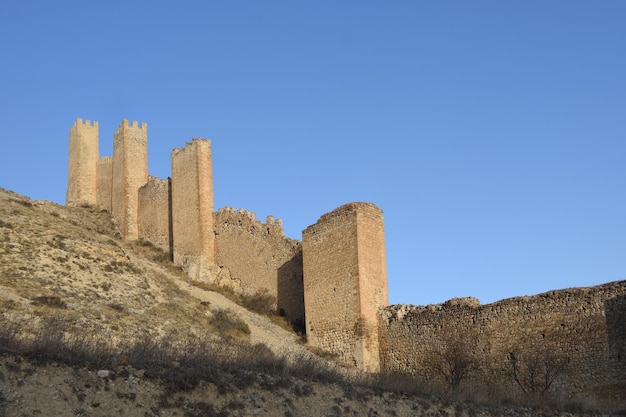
(129, 173)
(82, 160)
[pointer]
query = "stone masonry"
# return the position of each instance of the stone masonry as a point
(129, 173)
(154, 213)
(345, 282)
(586, 327)
(261, 259)
(83, 153)
(335, 280)
(192, 208)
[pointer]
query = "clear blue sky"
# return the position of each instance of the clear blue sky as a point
(492, 134)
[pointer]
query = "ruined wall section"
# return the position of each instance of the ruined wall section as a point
(261, 258)
(586, 325)
(154, 213)
(192, 208)
(104, 175)
(130, 172)
(82, 159)
(340, 267)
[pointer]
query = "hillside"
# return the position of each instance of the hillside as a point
(91, 325)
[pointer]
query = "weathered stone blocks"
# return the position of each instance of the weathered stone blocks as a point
(129, 173)
(82, 159)
(192, 208)
(345, 282)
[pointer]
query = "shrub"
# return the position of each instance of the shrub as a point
(535, 371)
(261, 302)
(228, 324)
(50, 301)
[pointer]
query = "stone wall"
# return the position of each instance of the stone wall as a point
(261, 258)
(82, 158)
(104, 175)
(130, 172)
(154, 213)
(583, 327)
(345, 282)
(192, 209)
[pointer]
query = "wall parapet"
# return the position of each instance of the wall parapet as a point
(247, 220)
(85, 123)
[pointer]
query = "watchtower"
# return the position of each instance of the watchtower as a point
(130, 172)
(82, 160)
(345, 282)
(193, 224)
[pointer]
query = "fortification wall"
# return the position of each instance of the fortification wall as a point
(82, 158)
(339, 270)
(261, 258)
(130, 172)
(584, 326)
(154, 213)
(192, 208)
(104, 175)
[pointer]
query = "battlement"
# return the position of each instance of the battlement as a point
(79, 123)
(133, 124)
(247, 220)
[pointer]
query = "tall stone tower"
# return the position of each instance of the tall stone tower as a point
(345, 282)
(82, 160)
(130, 172)
(193, 223)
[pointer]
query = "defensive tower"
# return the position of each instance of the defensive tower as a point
(130, 172)
(193, 224)
(345, 282)
(82, 159)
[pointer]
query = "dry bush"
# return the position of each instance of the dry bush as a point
(50, 301)
(147, 250)
(9, 336)
(261, 302)
(454, 360)
(228, 324)
(535, 371)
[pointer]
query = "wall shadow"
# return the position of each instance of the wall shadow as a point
(290, 292)
(615, 313)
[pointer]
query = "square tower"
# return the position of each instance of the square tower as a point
(193, 225)
(82, 160)
(345, 282)
(129, 173)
